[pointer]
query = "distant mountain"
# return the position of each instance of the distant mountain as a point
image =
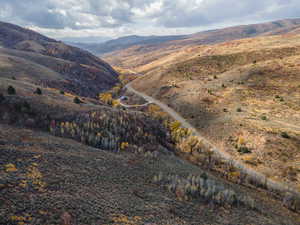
(84, 40)
(126, 42)
(145, 57)
(79, 71)
(244, 31)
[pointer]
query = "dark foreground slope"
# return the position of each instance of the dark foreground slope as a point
(54, 180)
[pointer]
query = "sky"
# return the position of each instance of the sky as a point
(114, 18)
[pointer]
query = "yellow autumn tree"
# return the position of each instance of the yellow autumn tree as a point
(115, 103)
(106, 98)
(156, 112)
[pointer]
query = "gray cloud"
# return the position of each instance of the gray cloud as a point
(135, 15)
(183, 13)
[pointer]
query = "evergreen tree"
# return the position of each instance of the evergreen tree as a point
(11, 90)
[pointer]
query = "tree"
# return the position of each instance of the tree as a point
(77, 100)
(62, 92)
(106, 98)
(11, 90)
(38, 91)
(1, 97)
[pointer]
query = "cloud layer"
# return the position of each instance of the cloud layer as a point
(121, 17)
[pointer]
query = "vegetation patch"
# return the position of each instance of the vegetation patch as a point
(11, 90)
(203, 188)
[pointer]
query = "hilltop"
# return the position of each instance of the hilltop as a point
(144, 57)
(126, 42)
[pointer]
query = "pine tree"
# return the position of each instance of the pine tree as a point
(11, 90)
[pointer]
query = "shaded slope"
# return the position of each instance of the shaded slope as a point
(91, 186)
(128, 41)
(77, 66)
(56, 73)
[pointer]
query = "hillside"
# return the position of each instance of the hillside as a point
(126, 42)
(69, 156)
(243, 96)
(57, 65)
(142, 58)
(67, 163)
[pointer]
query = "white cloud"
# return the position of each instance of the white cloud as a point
(116, 17)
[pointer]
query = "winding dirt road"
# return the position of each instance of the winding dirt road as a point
(253, 174)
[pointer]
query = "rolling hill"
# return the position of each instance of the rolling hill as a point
(126, 42)
(53, 64)
(142, 58)
(69, 158)
(243, 95)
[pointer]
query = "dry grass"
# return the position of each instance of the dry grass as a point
(248, 86)
(76, 187)
(143, 61)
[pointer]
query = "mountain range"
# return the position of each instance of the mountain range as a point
(204, 37)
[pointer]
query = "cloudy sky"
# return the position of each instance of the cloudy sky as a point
(114, 18)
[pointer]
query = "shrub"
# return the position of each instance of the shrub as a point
(22, 107)
(196, 187)
(106, 98)
(62, 92)
(264, 118)
(2, 98)
(215, 77)
(124, 145)
(223, 86)
(11, 90)
(13, 78)
(239, 110)
(77, 100)
(277, 96)
(285, 135)
(38, 91)
(244, 150)
(291, 173)
(115, 103)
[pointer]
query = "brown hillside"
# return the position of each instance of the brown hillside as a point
(69, 158)
(140, 57)
(77, 67)
(48, 179)
(243, 96)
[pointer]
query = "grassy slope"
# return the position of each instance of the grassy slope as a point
(54, 72)
(36, 58)
(98, 187)
(260, 76)
(57, 175)
(143, 58)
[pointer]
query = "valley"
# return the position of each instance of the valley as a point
(194, 129)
